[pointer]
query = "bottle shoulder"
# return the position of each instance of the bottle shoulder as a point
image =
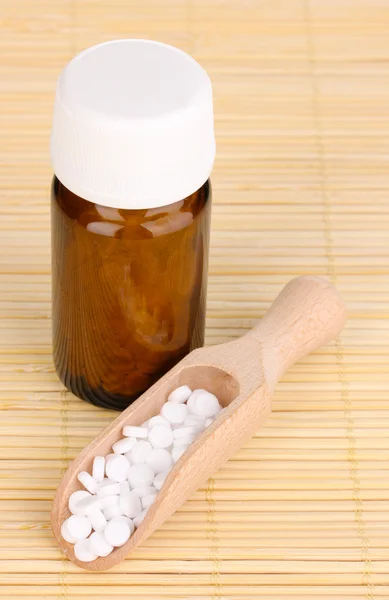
(129, 223)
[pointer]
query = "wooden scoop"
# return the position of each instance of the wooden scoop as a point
(308, 312)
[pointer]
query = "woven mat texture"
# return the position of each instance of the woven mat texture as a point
(301, 186)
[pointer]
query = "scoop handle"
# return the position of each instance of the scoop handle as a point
(308, 313)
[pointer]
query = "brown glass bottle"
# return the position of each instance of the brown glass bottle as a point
(129, 290)
(132, 149)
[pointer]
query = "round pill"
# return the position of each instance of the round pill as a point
(138, 520)
(124, 445)
(98, 468)
(87, 481)
(113, 510)
(88, 505)
(144, 490)
(78, 527)
(195, 421)
(174, 413)
(209, 421)
(136, 432)
(75, 498)
(117, 533)
(110, 512)
(158, 420)
(159, 460)
(83, 552)
(191, 404)
(160, 479)
(110, 489)
(207, 405)
(99, 545)
(66, 534)
(123, 519)
(128, 456)
(177, 453)
(140, 452)
(130, 505)
(148, 500)
(117, 468)
(97, 520)
(107, 459)
(160, 436)
(124, 488)
(196, 393)
(185, 441)
(110, 502)
(139, 475)
(106, 481)
(184, 433)
(180, 395)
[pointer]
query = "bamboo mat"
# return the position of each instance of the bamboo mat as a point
(300, 186)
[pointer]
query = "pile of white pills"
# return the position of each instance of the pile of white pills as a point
(123, 485)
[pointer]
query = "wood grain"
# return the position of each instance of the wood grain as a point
(300, 187)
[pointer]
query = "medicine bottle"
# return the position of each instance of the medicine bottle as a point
(132, 150)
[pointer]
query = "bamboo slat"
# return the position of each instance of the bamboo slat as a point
(300, 186)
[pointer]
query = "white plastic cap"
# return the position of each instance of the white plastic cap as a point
(133, 125)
